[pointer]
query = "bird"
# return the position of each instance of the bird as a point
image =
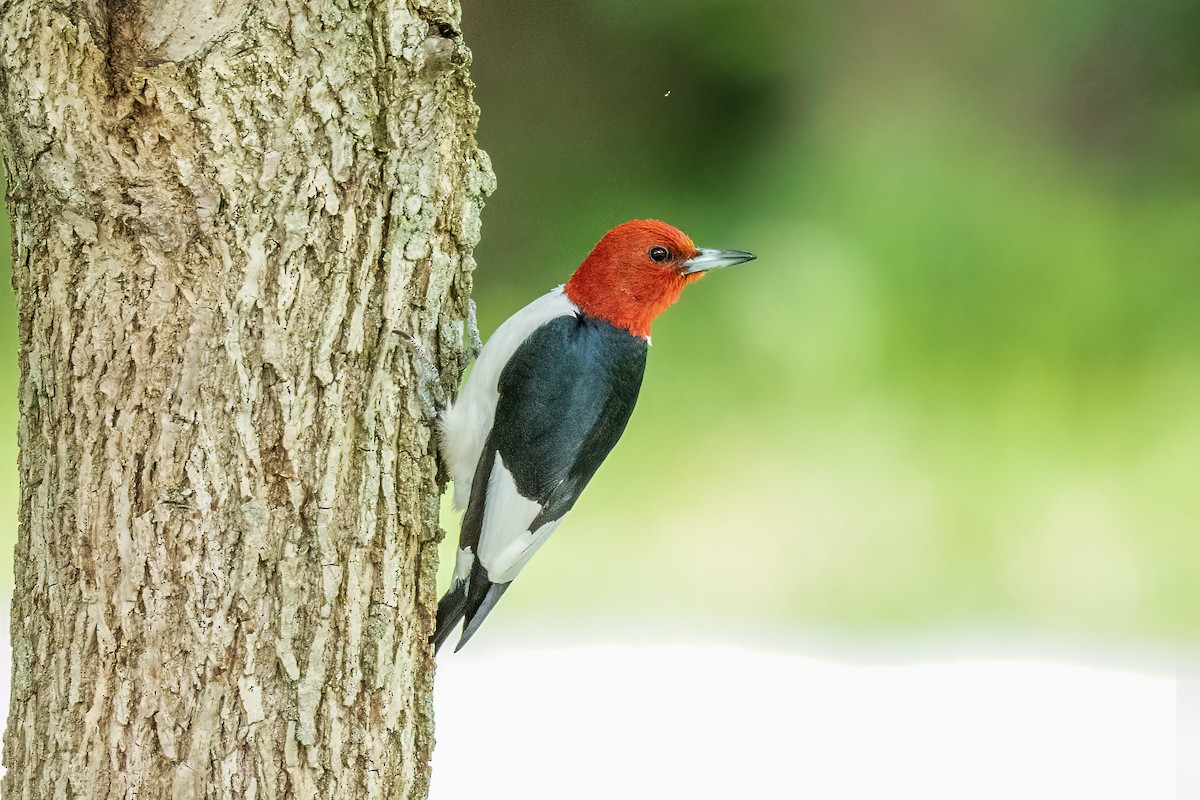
(549, 396)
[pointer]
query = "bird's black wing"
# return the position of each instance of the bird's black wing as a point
(565, 397)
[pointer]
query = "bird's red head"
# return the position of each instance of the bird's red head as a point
(634, 273)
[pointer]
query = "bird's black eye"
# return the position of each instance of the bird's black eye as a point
(659, 254)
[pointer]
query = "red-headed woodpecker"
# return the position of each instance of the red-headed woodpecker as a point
(548, 398)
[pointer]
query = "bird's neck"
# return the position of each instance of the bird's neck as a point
(629, 298)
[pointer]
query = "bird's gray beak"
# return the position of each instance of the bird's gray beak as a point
(715, 259)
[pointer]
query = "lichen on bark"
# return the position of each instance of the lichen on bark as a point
(241, 236)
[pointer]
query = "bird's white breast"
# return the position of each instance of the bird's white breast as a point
(466, 423)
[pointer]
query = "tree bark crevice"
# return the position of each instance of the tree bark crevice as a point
(233, 276)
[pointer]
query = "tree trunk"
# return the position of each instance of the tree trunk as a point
(242, 234)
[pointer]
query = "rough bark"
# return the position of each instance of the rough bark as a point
(242, 235)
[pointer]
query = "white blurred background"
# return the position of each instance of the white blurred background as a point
(707, 716)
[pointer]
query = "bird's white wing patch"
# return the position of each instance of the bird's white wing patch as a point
(506, 544)
(466, 423)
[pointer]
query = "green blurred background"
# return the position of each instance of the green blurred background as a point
(960, 385)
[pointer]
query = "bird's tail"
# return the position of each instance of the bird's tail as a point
(481, 599)
(451, 609)
(472, 599)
